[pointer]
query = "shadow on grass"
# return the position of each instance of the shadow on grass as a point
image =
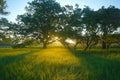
(8, 66)
(11, 59)
(97, 67)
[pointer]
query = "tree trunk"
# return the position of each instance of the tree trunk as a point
(86, 48)
(75, 46)
(104, 46)
(44, 45)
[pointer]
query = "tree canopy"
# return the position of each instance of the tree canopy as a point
(46, 19)
(3, 7)
(109, 21)
(40, 19)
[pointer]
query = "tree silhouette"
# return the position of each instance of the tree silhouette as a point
(40, 19)
(3, 7)
(64, 30)
(3, 21)
(109, 21)
(91, 27)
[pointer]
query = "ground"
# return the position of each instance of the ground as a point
(59, 64)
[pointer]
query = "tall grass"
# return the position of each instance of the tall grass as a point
(59, 64)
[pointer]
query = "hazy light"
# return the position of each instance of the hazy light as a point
(70, 41)
(57, 56)
(56, 38)
(56, 44)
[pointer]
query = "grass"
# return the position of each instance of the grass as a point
(59, 64)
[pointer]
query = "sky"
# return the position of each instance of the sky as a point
(17, 7)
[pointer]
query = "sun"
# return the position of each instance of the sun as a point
(56, 42)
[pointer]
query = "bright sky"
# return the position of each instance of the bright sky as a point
(16, 7)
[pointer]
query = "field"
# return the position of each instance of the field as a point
(59, 64)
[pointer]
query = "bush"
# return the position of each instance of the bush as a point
(18, 46)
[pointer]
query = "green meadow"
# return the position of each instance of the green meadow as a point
(59, 64)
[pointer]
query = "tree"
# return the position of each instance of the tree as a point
(40, 19)
(75, 23)
(64, 30)
(70, 24)
(112, 39)
(3, 7)
(85, 21)
(3, 26)
(109, 21)
(91, 28)
(3, 21)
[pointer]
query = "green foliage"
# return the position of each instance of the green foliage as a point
(18, 45)
(40, 19)
(109, 21)
(24, 43)
(46, 19)
(3, 21)
(91, 28)
(70, 23)
(3, 7)
(4, 32)
(112, 39)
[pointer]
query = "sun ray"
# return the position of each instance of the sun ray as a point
(57, 56)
